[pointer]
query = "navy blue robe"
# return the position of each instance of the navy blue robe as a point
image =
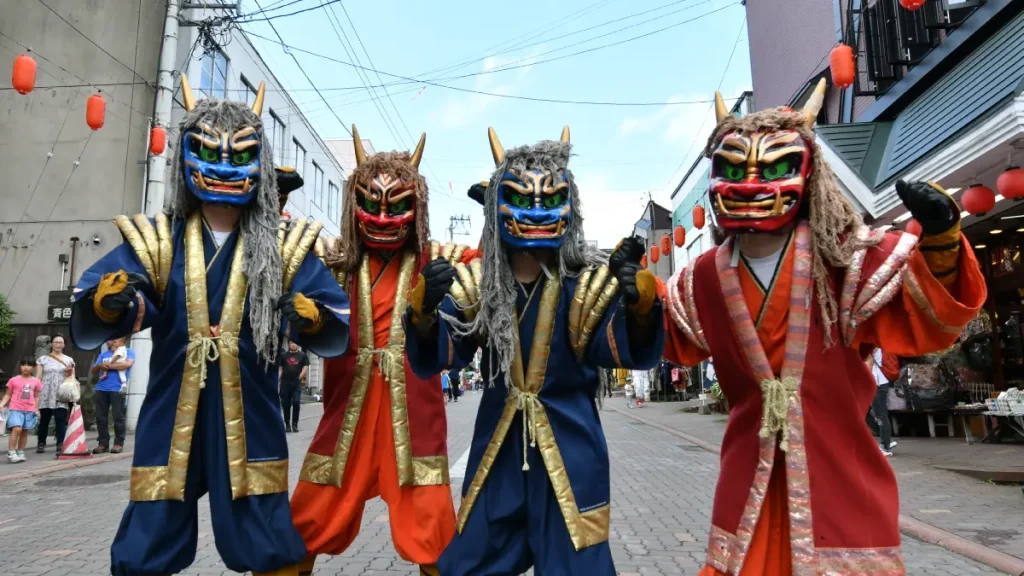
(252, 532)
(516, 521)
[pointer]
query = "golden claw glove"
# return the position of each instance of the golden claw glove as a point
(435, 280)
(114, 294)
(637, 285)
(302, 312)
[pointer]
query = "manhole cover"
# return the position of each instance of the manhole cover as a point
(85, 480)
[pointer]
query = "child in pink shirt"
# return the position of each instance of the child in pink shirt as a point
(23, 397)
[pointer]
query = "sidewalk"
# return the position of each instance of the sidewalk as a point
(984, 513)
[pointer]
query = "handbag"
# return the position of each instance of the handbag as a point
(69, 391)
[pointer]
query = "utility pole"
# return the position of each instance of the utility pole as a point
(457, 225)
(153, 198)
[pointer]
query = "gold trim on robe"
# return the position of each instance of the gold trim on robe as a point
(586, 528)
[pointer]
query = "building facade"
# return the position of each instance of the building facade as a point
(655, 222)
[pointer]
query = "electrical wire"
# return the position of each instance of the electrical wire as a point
(705, 119)
(276, 16)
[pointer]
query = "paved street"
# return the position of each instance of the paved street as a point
(62, 523)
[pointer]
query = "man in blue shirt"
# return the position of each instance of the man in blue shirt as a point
(114, 367)
(445, 382)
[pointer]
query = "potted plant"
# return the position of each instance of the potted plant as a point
(716, 391)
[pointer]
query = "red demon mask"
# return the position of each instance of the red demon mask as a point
(385, 211)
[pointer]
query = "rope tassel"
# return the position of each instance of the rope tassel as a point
(202, 350)
(528, 403)
(775, 395)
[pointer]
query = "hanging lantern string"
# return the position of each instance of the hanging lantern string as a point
(87, 85)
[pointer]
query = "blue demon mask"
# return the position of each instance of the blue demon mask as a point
(534, 200)
(221, 163)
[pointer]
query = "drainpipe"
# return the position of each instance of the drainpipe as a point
(153, 198)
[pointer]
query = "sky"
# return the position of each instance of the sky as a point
(528, 48)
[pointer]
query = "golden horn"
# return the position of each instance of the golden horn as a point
(721, 112)
(813, 106)
(418, 153)
(360, 153)
(565, 133)
(496, 150)
(186, 94)
(257, 104)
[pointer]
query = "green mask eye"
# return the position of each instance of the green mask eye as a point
(399, 207)
(734, 172)
(371, 206)
(519, 200)
(209, 154)
(553, 201)
(241, 157)
(775, 171)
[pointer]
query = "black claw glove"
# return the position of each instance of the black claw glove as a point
(438, 276)
(300, 311)
(118, 302)
(933, 209)
(629, 251)
(627, 283)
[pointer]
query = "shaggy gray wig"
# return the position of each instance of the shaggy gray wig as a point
(495, 322)
(261, 260)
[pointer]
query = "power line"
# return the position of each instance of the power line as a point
(301, 69)
(705, 119)
(242, 20)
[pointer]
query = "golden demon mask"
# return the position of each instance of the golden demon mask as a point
(385, 208)
(758, 181)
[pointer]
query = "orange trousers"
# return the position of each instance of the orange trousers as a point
(769, 553)
(422, 518)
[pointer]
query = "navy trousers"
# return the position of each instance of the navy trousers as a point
(516, 524)
(251, 534)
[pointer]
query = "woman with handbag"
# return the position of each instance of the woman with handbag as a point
(52, 370)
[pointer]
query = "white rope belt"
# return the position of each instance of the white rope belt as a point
(529, 404)
(202, 350)
(775, 396)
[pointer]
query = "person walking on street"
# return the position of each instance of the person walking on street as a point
(22, 396)
(445, 386)
(291, 373)
(108, 396)
(453, 385)
(630, 393)
(880, 406)
(52, 369)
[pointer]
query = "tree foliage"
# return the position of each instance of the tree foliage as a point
(7, 314)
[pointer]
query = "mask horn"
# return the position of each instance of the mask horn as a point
(496, 150)
(257, 104)
(721, 112)
(813, 106)
(418, 153)
(565, 133)
(186, 94)
(358, 143)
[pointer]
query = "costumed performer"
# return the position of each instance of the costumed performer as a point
(384, 430)
(548, 314)
(212, 281)
(790, 303)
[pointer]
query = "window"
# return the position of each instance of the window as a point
(318, 185)
(277, 138)
(332, 202)
(250, 90)
(213, 82)
(300, 157)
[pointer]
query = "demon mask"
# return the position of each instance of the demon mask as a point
(534, 200)
(385, 208)
(222, 160)
(759, 180)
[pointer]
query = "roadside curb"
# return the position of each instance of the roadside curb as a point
(43, 470)
(910, 526)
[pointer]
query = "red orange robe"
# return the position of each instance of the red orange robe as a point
(829, 502)
(383, 432)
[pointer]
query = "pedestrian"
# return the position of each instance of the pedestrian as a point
(291, 373)
(453, 385)
(709, 375)
(630, 393)
(108, 396)
(445, 383)
(641, 386)
(23, 397)
(880, 406)
(52, 369)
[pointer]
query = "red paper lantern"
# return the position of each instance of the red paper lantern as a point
(698, 217)
(912, 4)
(643, 261)
(978, 199)
(95, 109)
(157, 140)
(23, 78)
(680, 236)
(842, 65)
(914, 227)
(655, 254)
(1011, 183)
(666, 245)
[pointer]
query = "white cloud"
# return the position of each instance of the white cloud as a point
(459, 112)
(609, 215)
